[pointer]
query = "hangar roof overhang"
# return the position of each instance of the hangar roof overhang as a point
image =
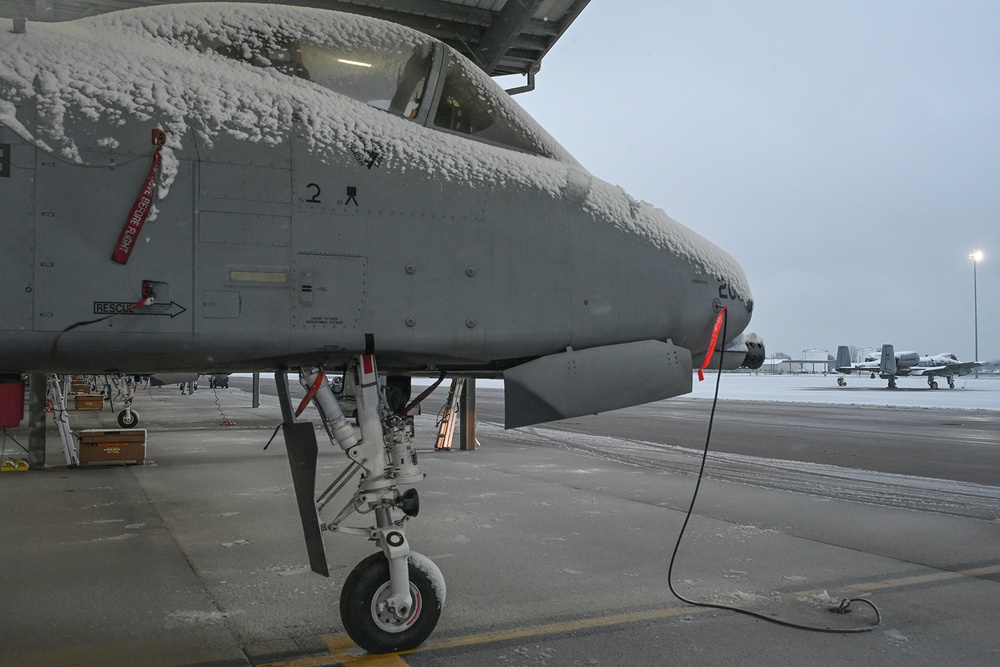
(501, 36)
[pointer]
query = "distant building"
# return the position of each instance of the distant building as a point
(816, 361)
(772, 366)
(811, 361)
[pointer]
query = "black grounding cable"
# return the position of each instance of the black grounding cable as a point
(844, 604)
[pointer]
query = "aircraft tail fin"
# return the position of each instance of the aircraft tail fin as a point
(888, 364)
(843, 357)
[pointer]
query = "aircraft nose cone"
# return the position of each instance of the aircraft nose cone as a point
(744, 312)
(738, 314)
(738, 304)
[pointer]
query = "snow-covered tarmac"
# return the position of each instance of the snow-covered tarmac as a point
(970, 393)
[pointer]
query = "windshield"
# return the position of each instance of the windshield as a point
(471, 103)
(468, 108)
(394, 75)
(393, 81)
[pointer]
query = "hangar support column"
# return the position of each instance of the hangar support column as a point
(467, 431)
(36, 421)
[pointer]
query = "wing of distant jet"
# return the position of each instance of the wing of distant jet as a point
(957, 368)
(216, 187)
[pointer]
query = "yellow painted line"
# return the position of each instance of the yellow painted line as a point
(926, 578)
(981, 571)
(344, 651)
(312, 661)
(391, 660)
(347, 652)
(557, 628)
(338, 642)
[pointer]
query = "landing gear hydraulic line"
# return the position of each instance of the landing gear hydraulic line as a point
(393, 599)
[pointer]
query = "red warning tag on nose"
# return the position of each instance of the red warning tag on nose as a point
(712, 343)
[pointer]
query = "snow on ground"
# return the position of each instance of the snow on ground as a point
(969, 393)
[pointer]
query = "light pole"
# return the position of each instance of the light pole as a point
(976, 257)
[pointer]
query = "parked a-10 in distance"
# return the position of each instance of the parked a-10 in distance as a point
(215, 187)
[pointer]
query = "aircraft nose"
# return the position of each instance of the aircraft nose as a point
(736, 300)
(741, 312)
(736, 321)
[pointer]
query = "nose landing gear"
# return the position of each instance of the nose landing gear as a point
(392, 600)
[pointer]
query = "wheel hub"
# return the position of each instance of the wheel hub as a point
(387, 619)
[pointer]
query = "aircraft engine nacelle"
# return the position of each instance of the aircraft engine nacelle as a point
(905, 359)
(746, 351)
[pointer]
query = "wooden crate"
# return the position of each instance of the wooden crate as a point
(119, 446)
(88, 402)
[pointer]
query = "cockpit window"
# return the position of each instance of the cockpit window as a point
(468, 108)
(393, 80)
(396, 75)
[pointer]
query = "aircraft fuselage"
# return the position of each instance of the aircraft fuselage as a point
(300, 226)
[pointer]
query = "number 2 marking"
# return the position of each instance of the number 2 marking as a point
(315, 198)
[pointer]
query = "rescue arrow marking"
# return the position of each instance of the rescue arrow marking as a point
(128, 308)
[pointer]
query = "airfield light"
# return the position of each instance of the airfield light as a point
(976, 256)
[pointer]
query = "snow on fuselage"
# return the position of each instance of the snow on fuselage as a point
(305, 200)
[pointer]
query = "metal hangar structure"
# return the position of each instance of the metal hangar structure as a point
(501, 36)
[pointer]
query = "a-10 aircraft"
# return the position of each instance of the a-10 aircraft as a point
(891, 365)
(222, 187)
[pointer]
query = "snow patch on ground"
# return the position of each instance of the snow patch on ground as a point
(970, 393)
(193, 618)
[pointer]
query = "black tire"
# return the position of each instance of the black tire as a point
(125, 422)
(365, 586)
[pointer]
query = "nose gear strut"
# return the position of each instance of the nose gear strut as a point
(388, 603)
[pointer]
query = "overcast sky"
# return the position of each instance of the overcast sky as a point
(847, 154)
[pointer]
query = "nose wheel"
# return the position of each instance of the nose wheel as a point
(366, 612)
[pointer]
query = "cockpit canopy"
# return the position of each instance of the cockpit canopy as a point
(422, 80)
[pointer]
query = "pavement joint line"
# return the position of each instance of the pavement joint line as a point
(344, 652)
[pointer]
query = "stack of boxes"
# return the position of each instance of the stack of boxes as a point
(119, 446)
(83, 398)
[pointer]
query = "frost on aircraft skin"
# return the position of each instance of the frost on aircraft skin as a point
(610, 202)
(143, 65)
